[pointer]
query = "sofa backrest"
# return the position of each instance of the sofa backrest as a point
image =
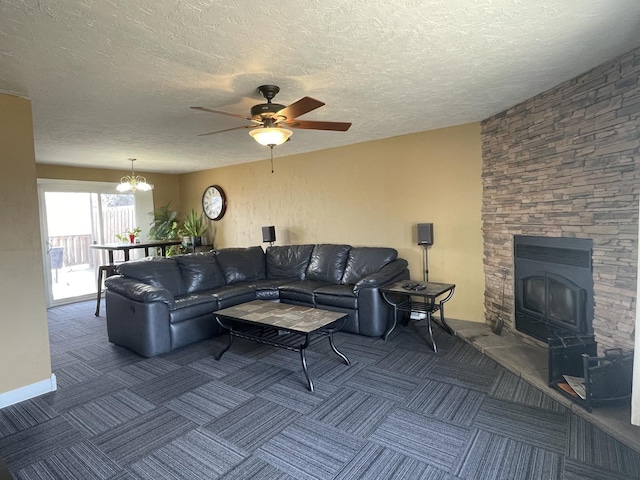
(241, 264)
(327, 262)
(364, 261)
(200, 271)
(157, 271)
(290, 261)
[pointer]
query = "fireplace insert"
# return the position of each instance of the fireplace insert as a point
(553, 286)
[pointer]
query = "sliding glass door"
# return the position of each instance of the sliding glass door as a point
(70, 232)
(73, 216)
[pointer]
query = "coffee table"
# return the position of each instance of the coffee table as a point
(403, 299)
(281, 325)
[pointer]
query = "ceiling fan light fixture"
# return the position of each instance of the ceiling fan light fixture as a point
(270, 136)
(132, 183)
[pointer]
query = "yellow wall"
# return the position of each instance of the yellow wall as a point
(24, 342)
(165, 187)
(373, 194)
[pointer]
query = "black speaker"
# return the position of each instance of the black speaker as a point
(425, 234)
(269, 234)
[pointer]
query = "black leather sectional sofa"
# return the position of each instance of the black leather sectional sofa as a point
(158, 304)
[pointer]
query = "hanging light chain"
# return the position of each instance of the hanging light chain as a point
(271, 147)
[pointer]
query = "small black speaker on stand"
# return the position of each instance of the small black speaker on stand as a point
(269, 234)
(425, 234)
(425, 238)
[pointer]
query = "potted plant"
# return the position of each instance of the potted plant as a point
(166, 226)
(133, 234)
(194, 226)
(129, 235)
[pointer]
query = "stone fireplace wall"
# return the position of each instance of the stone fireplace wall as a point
(566, 163)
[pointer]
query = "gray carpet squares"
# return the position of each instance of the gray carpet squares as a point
(398, 412)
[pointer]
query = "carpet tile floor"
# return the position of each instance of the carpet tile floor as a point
(399, 411)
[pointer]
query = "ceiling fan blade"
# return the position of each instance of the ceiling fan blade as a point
(302, 106)
(237, 115)
(227, 130)
(313, 125)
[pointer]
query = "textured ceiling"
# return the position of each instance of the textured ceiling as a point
(113, 79)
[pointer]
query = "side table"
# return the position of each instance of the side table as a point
(427, 294)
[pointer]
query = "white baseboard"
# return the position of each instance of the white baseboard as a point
(29, 391)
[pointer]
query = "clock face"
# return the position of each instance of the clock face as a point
(214, 202)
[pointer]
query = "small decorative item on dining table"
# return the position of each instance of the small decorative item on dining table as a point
(129, 235)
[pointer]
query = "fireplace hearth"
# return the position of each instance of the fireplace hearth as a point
(553, 286)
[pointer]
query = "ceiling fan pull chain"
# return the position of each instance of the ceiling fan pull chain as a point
(271, 147)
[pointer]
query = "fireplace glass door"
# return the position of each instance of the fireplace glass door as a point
(553, 302)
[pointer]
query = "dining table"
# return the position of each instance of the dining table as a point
(127, 247)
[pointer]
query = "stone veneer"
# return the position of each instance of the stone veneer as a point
(566, 164)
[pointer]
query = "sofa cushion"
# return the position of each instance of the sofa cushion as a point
(193, 305)
(327, 263)
(231, 295)
(157, 271)
(200, 271)
(268, 289)
(241, 264)
(364, 261)
(300, 291)
(336, 295)
(139, 291)
(289, 261)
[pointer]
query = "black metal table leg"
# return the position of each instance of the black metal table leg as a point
(304, 362)
(444, 323)
(218, 356)
(433, 342)
(395, 317)
(339, 353)
(99, 290)
(306, 370)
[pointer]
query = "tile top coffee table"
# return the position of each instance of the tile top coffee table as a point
(281, 325)
(402, 297)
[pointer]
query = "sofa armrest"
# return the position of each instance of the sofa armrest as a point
(139, 291)
(384, 276)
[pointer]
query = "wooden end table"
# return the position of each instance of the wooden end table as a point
(427, 294)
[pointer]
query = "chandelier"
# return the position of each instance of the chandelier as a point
(133, 182)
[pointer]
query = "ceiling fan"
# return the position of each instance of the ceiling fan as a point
(269, 119)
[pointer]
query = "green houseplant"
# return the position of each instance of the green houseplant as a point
(194, 226)
(129, 235)
(165, 226)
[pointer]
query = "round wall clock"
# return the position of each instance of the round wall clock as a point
(214, 202)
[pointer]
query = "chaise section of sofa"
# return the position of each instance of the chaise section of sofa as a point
(159, 304)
